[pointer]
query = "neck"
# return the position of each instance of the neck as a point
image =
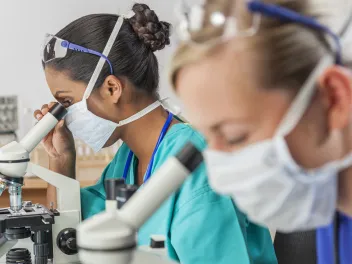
(345, 179)
(142, 135)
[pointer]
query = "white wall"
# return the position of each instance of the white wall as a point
(23, 24)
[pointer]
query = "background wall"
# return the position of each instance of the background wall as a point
(22, 27)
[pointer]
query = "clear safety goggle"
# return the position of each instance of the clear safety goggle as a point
(56, 48)
(213, 21)
(203, 21)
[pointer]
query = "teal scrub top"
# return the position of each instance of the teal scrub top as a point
(200, 225)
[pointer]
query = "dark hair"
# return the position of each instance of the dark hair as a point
(132, 55)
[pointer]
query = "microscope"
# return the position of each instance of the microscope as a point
(50, 232)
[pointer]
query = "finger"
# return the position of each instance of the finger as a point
(63, 129)
(45, 109)
(44, 139)
(51, 104)
(44, 106)
(60, 125)
(48, 139)
(38, 114)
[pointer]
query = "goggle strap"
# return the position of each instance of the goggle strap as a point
(102, 60)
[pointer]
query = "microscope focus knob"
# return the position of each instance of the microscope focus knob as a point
(111, 186)
(124, 193)
(66, 241)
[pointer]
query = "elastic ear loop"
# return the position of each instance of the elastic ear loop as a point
(301, 103)
(139, 114)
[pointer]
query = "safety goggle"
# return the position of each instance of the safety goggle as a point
(202, 21)
(56, 48)
(209, 22)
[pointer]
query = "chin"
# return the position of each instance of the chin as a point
(108, 144)
(111, 141)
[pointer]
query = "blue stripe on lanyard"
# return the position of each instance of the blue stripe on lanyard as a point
(345, 239)
(150, 166)
(325, 242)
(325, 245)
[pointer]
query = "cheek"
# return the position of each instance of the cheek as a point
(311, 143)
(303, 149)
(217, 143)
(100, 108)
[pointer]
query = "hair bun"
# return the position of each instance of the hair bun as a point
(154, 33)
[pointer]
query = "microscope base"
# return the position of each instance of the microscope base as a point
(127, 257)
(45, 226)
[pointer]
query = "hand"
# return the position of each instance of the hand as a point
(59, 143)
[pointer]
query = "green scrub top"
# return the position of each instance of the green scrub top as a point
(200, 225)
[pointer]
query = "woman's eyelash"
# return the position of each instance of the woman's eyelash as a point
(66, 102)
(238, 140)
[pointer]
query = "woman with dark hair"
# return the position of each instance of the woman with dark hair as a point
(200, 226)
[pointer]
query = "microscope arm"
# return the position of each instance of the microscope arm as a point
(68, 190)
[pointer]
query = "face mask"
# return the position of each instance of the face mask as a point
(94, 130)
(269, 186)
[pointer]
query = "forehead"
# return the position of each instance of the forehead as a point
(60, 81)
(227, 86)
(219, 86)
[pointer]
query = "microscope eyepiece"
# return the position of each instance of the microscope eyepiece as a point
(58, 111)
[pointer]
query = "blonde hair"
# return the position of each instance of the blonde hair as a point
(287, 52)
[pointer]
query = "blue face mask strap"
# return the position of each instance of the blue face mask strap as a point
(284, 14)
(75, 47)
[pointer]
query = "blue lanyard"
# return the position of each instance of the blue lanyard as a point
(150, 165)
(325, 242)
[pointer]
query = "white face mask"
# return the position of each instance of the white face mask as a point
(269, 186)
(94, 130)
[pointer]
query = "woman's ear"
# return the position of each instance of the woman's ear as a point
(111, 89)
(336, 89)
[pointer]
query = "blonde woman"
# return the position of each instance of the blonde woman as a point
(269, 85)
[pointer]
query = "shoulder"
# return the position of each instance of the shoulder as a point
(179, 135)
(196, 188)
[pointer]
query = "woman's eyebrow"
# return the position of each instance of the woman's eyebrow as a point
(60, 92)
